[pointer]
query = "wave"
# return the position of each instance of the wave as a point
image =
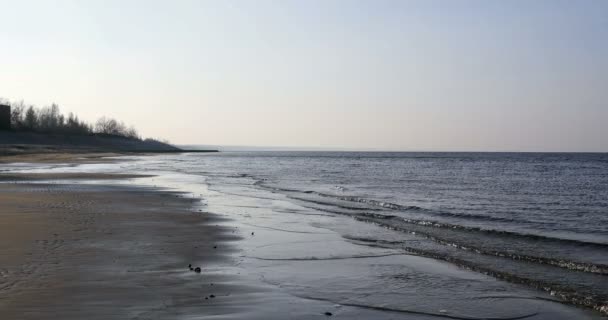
(425, 222)
(384, 205)
(596, 268)
(397, 207)
(381, 204)
(396, 223)
(423, 227)
(404, 208)
(436, 224)
(332, 204)
(591, 299)
(512, 256)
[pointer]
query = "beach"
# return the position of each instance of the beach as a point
(105, 252)
(114, 238)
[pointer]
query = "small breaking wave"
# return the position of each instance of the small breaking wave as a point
(434, 228)
(376, 203)
(397, 223)
(556, 261)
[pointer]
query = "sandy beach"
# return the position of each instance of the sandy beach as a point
(105, 252)
(54, 156)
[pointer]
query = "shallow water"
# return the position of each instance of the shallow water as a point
(358, 230)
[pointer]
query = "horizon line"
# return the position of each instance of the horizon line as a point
(346, 149)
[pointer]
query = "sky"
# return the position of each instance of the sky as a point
(382, 75)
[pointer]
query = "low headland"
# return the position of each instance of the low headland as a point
(26, 130)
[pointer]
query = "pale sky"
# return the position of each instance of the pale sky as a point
(392, 75)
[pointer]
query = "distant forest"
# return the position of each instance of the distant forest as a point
(28, 118)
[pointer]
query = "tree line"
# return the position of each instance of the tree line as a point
(28, 118)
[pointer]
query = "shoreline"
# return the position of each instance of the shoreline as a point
(148, 236)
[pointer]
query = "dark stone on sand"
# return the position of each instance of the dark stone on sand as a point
(329, 314)
(214, 247)
(252, 233)
(190, 267)
(197, 270)
(211, 296)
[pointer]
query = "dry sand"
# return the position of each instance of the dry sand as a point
(67, 176)
(108, 252)
(59, 157)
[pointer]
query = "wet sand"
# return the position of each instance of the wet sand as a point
(107, 252)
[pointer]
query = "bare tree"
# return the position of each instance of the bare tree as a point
(51, 120)
(108, 126)
(18, 115)
(132, 133)
(31, 119)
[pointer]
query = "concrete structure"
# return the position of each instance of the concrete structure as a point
(5, 117)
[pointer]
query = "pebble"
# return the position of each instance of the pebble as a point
(329, 314)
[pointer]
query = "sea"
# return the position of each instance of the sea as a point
(461, 235)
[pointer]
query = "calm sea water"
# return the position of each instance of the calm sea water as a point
(534, 218)
(558, 196)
